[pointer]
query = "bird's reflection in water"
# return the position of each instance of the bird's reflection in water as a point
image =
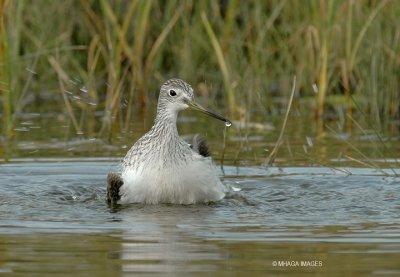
(158, 240)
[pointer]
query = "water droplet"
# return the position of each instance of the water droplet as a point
(228, 123)
(315, 88)
(30, 70)
(73, 82)
(309, 141)
(21, 129)
(83, 89)
(124, 103)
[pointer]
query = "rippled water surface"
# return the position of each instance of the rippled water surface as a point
(53, 218)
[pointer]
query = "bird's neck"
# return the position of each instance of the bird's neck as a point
(165, 122)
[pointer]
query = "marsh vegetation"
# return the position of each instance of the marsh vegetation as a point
(93, 68)
(312, 89)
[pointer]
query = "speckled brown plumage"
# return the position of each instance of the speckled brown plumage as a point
(114, 182)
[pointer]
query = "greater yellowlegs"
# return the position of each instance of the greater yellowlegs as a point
(163, 168)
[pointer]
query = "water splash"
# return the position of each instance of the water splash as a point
(31, 70)
(83, 89)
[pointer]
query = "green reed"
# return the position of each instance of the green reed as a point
(238, 55)
(11, 91)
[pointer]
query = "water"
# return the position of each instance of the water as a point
(54, 218)
(245, 143)
(335, 219)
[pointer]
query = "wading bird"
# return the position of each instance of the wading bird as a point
(163, 168)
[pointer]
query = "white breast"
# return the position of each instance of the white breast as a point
(194, 181)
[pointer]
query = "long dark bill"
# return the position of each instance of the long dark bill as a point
(199, 108)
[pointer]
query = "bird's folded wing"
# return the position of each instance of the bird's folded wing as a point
(200, 146)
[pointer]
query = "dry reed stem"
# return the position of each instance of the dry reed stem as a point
(271, 158)
(374, 165)
(63, 77)
(159, 41)
(221, 61)
(5, 82)
(364, 29)
(316, 161)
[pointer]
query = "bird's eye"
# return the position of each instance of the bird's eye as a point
(172, 92)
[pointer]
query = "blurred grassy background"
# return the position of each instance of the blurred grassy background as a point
(108, 58)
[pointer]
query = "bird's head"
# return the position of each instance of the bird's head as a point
(177, 95)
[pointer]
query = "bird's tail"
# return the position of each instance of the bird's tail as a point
(114, 183)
